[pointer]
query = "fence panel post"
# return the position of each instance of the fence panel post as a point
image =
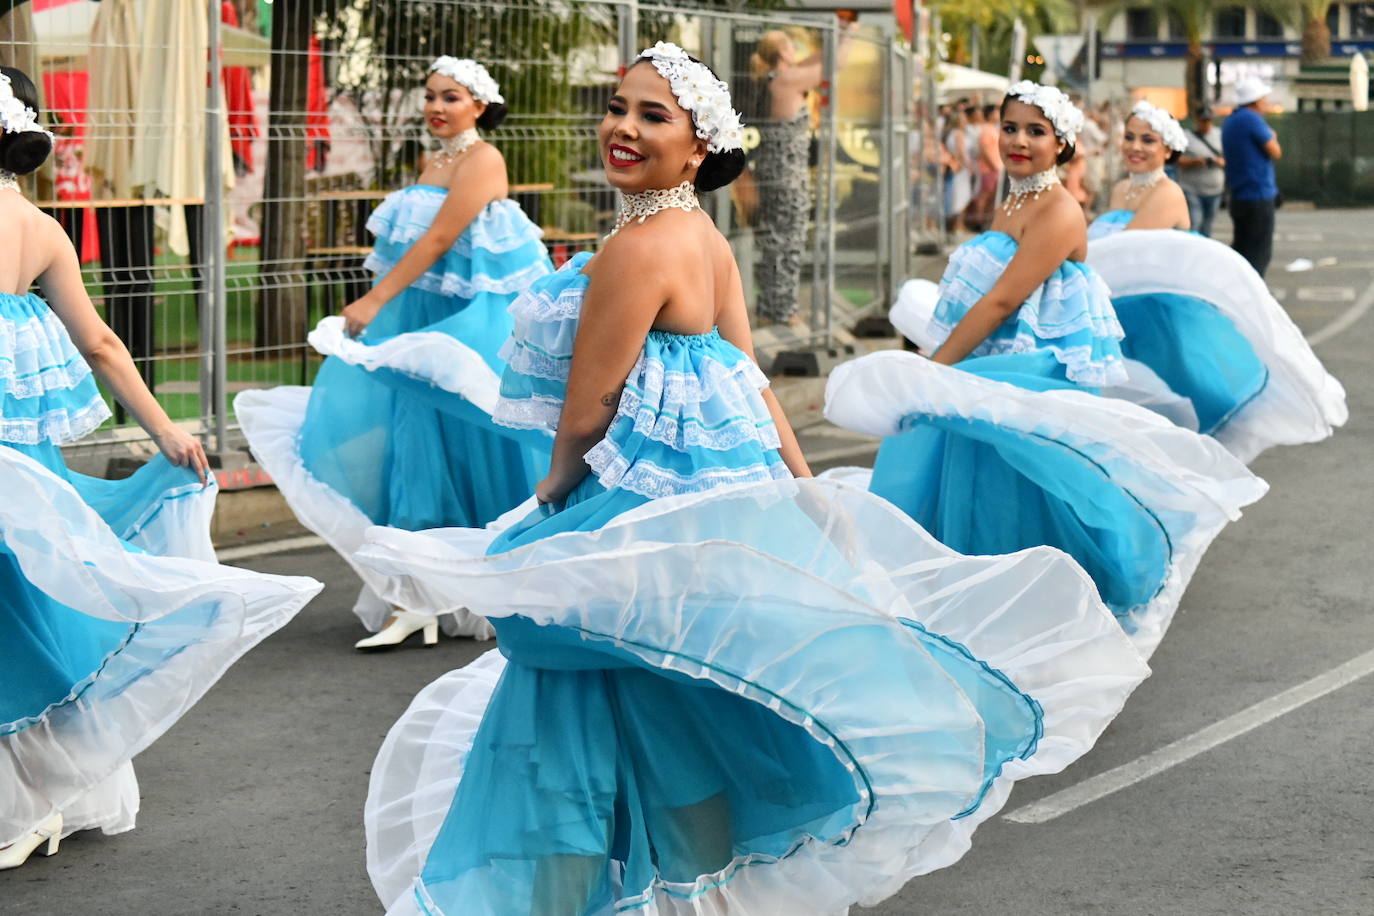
(216, 293)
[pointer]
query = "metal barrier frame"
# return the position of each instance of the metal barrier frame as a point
(718, 28)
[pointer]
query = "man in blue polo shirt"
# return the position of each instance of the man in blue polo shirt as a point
(1250, 148)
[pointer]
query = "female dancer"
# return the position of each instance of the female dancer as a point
(1015, 449)
(782, 169)
(1198, 317)
(1147, 198)
(114, 618)
(397, 429)
(675, 720)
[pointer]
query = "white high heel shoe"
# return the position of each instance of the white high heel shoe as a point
(50, 832)
(402, 626)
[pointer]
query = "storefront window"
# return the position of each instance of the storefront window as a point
(1231, 22)
(1141, 24)
(1266, 26)
(1361, 19)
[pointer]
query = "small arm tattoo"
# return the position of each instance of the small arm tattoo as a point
(610, 399)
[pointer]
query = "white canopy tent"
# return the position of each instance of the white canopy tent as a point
(953, 80)
(64, 37)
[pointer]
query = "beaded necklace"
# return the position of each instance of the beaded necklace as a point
(644, 204)
(1143, 182)
(9, 181)
(1031, 186)
(450, 148)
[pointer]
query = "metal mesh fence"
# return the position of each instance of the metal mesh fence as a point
(1328, 157)
(216, 160)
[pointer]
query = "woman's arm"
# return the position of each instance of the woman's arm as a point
(616, 318)
(1057, 233)
(476, 183)
(108, 357)
(733, 323)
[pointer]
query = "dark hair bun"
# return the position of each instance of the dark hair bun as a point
(493, 116)
(1173, 156)
(1065, 154)
(23, 152)
(719, 169)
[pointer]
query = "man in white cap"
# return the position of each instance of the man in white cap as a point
(1249, 148)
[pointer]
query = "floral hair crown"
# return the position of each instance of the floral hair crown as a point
(1062, 112)
(698, 91)
(469, 73)
(15, 116)
(1162, 123)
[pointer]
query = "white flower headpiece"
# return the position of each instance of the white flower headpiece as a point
(469, 73)
(698, 91)
(1162, 123)
(1057, 106)
(15, 116)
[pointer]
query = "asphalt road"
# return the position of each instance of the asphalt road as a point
(252, 803)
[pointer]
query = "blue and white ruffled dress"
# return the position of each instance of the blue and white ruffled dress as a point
(1109, 223)
(397, 428)
(1009, 450)
(115, 618)
(1199, 318)
(718, 689)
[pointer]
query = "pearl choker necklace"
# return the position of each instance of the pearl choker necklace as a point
(9, 181)
(1033, 186)
(1143, 181)
(645, 204)
(450, 148)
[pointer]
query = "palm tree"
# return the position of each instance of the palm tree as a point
(1194, 18)
(1310, 16)
(994, 20)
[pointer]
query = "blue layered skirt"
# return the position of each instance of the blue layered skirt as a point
(114, 617)
(1199, 318)
(1003, 453)
(397, 429)
(775, 697)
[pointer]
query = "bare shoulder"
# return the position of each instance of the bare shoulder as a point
(36, 223)
(638, 245)
(1169, 191)
(1061, 213)
(481, 163)
(488, 154)
(721, 252)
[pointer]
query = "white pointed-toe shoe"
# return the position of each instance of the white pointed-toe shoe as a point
(402, 626)
(49, 832)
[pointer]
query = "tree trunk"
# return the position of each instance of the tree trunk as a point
(1316, 40)
(1194, 79)
(284, 309)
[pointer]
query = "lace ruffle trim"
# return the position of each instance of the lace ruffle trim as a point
(644, 477)
(37, 356)
(407, 214)
(449, 282)
(59, 425)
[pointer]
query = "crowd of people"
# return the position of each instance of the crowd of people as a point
(1230, 165)
(721, 684)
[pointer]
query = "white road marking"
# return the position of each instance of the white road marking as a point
(1326, 294)
(1184, 749)
(247, 551)
(1345, 319)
